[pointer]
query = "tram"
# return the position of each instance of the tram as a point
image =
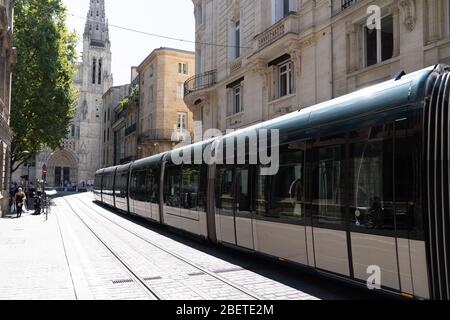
(362, 185)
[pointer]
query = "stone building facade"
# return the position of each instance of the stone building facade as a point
(80, 158)
(163, 116)
(273, 57)
(131, 115)
(111, 100)
(7, 58)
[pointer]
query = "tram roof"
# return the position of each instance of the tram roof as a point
(393, 93)
(373, 99)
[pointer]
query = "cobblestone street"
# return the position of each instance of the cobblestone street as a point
(84, 251)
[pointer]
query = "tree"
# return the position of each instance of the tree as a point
(43, 96)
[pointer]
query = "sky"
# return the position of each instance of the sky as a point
(174, 18)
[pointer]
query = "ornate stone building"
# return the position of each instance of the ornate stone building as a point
(7, 58)
(163, 116)
(80, 158)
(111, 102)
(277, 56)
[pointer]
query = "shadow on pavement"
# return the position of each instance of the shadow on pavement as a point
(295, 276)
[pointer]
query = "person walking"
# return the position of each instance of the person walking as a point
(19, 198)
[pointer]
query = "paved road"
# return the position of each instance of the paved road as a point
(85, 251)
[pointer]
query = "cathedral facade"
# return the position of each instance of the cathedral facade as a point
(79, 159)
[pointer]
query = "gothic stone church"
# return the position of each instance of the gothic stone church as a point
(80, 158)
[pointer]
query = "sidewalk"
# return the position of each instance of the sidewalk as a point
(33, 263)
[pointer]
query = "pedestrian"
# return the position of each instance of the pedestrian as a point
(19, 198)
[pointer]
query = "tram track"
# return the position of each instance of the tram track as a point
(127, 268)
(178, 257)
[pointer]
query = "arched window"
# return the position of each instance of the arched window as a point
(94, 68)
(100, 71)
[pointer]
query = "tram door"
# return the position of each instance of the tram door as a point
(234, 204)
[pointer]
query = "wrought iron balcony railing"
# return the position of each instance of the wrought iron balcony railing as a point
(131, 129)
(200, 82)
(289, 24)
(347, 3)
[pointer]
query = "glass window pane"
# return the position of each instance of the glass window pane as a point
(172, 187)
(371, 47)
(244, 196)
(153, 185)
(328, 181)
(225, 181)
(283, 85)
(286, 8)
(190, 187)
(387, 38)
(281, 195)
(371, 171)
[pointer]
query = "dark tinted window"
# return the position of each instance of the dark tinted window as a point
(138, 186)
(191, 197)
(328, 180)
(224, 188)
(172, 186)
(145, 185)
(371, 179)
(281, 195)
(121, 184)
(152, 183)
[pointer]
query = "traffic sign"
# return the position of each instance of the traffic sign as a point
(45, 171)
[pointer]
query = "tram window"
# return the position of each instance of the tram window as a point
(152, 183)
(328, 184)
(224, 187)
(281, 195)
(262, 203)
(408, 211)
(243, 196)
(139, 181)
(110, 183)
(371, 171)
(190, 186)
(172, 187)
(121, 185)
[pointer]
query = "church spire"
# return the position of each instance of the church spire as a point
(96, 28)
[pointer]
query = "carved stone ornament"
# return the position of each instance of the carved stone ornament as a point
(260, 67)
(408, 8)
(294, 49)
(234, 13)
(308, 41)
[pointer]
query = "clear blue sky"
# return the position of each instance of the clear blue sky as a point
(173, 18)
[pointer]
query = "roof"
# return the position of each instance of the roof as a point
(162, 49)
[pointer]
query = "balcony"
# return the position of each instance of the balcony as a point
(287, 25)
(131, 129)
(200, 82)
(347, 3)
(156, 134)
(128, 160)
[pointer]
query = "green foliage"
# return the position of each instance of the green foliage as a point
(133, 95)
(43, 96)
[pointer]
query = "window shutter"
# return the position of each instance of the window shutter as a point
(275, 78)
(242, 97)
(229, 101)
